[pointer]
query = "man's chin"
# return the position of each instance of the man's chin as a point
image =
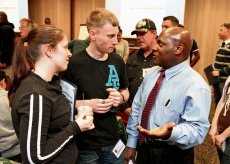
(143, 47)
(156, 61)
(110, 50)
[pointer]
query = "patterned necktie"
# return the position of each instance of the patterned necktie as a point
(149, 104)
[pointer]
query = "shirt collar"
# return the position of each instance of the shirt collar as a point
(169, 73)
(227, 41)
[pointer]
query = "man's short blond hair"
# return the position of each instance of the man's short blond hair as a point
(99, 17)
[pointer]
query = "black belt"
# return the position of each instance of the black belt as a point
(155, 143)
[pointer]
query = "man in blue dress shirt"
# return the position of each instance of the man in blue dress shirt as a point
(178, 120)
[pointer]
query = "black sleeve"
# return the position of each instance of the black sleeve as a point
(225, 71)
(36, 145)
(194, 46)
(6, 44)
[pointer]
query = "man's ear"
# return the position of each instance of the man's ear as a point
(155, 33)
(92, 34)
(47, 49)
(179, 49)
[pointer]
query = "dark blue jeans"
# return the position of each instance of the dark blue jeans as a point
(225, 156)
(99, 156)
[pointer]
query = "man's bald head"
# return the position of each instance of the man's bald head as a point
(174, 45)
(182, 36)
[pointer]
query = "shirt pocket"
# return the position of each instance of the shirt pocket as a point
(169, 112)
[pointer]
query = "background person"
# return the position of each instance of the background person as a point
(141, 60)
(78, 45)
(40, 112)
(100, 76)
(6, 40)
(222, 61)
(171, 21)
(47, 21)
(122, 48)
(26, 25)
(177, 119)
(9, 144)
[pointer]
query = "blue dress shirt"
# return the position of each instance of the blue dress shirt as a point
(184, 98)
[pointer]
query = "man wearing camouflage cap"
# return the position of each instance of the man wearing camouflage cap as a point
(141, 60)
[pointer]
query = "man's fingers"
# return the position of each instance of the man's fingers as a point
(111, 89)
(142, 130)
(171, 125)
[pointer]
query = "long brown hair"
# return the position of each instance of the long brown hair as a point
(27, 51)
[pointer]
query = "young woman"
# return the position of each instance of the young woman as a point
(40, 112)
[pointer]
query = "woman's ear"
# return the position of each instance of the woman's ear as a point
(47, 50)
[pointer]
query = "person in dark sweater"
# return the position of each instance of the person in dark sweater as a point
(6, 40)
(222, 61)
(40, 112)
(100, 76)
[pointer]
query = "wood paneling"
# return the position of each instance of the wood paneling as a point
(203, 19)
(81, 10)
(57, 10)
(60, 13)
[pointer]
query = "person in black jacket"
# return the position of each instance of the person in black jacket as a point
(6, 40)
(40, 112)
(102, 84)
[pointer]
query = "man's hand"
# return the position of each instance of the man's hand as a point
(162, 132)
(115, 96)
(130, 154)
(101, 105)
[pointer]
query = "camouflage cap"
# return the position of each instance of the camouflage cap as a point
(143, 26)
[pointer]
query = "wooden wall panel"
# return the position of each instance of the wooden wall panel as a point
(203, 19)
(81, 10)
(57, 10)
